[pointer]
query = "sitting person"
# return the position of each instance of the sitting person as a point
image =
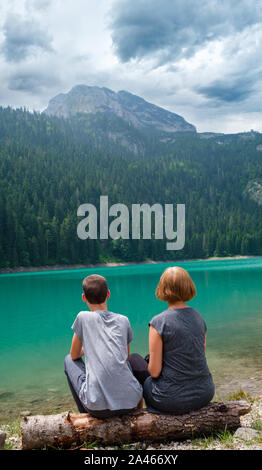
(104, 385)
(177, 379)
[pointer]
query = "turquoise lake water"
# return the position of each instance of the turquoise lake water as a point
(38, 309)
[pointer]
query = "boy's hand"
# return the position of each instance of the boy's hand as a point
(77, 350)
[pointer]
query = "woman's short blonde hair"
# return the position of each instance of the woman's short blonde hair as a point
(175, 284)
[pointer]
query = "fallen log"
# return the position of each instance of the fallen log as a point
(66, 430)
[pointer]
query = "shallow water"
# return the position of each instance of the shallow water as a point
(38, 309)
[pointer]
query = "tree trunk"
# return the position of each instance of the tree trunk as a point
(65, 430)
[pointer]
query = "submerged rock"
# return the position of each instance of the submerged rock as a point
(25, 413)
(6, 394)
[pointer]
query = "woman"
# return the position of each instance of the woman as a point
(177, 378)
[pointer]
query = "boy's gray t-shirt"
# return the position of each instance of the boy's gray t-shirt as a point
(110, 383)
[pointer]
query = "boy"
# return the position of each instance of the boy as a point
(104, 385)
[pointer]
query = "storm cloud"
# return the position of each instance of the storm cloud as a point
(227, 92)
(197, 58)
(172, 29)
(23, 38)
(32, 81)
(231, 89)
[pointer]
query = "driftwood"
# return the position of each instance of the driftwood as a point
(66, 430)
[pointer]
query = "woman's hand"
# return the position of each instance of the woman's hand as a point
(155, 353)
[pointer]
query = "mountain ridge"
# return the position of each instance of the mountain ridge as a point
(139, 113)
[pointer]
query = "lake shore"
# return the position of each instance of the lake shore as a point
(62, 267)
(247, 437)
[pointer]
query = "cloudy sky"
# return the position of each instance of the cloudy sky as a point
(201, 59)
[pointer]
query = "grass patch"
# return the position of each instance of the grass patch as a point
(258, 440)
(11, 429)
(223, 437)
(8, 446)
(226, 438)
(90, 445)
(204, 442)
(256, 424)
(240, 395)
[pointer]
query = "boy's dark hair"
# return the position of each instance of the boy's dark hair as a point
(95, 289)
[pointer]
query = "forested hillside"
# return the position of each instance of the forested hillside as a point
(49, 166)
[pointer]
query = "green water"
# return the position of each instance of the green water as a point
(38, 309)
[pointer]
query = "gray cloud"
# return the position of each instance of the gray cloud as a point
(225, 92)
(38, 4)
(172, 29)
(22, 38)
(47, 47)
(229, 91)
(32, 82)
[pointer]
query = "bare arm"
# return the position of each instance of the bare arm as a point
(155, 353)
(76, 348)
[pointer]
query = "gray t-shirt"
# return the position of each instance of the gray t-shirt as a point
(110, 383)
(185, 376)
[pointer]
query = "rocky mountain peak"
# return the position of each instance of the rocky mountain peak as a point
(127, 106)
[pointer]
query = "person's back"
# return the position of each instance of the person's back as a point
(185, 377)
(104, 385)
(110, 383)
